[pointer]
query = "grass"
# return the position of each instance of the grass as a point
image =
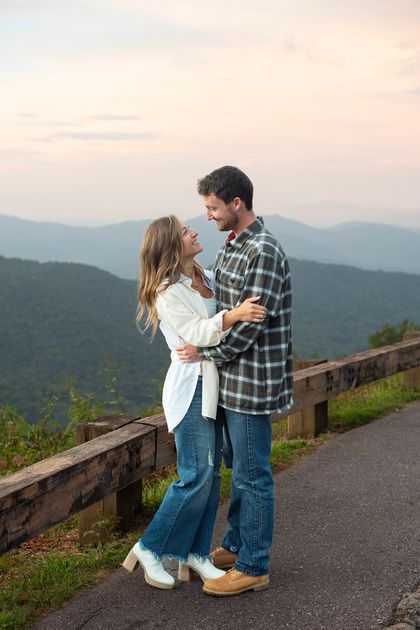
(37, 584)
(354, 409)
(47, 571)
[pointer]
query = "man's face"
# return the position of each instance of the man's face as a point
(224, 214)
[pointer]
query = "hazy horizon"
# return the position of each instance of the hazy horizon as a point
(80, 222)
(112, 110)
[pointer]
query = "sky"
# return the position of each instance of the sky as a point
(111, 110)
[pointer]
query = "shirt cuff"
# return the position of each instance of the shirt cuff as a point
(202, 353)
(218, 320)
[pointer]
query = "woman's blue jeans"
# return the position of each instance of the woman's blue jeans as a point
(247, 446)
(185, 520)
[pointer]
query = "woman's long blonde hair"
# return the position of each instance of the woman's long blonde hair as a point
(161, 257)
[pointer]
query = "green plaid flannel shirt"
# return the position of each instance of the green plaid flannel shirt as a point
(255, 360)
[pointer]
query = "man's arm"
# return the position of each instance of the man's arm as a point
(266, 276)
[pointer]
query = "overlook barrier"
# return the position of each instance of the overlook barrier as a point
(110, 467)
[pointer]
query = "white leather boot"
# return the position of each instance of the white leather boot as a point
(202, 566)
(154, 573)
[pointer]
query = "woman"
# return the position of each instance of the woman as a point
(177, 291)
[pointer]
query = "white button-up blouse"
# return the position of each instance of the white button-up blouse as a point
(184, 319)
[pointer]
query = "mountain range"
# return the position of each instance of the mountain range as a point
(114, 248)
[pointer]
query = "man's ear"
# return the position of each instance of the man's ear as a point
(237, 203)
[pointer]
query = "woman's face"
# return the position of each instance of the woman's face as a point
(190, 242)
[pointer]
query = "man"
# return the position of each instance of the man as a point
(255, 368)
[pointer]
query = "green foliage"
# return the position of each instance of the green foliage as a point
(154, 488)
(356, 408)
(225, 483)
(111, 371)
(82, 408)
(23, 443)
(284, 452)
(391, 334)
(38, 584)
(64, 322)
(336, 308)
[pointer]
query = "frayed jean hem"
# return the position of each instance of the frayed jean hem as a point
(172, 556)
(252, 572)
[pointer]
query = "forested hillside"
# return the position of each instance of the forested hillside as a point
(337, 307)
(62, 320)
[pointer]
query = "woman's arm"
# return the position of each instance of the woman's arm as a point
(248, 311)
(199, 331)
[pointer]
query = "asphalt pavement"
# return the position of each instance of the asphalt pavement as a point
(346, 548)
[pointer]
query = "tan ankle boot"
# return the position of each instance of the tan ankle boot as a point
(222, 558)
(234, 582)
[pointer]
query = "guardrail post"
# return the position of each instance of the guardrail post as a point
(411, 378)
(310, 421)
(119, 507)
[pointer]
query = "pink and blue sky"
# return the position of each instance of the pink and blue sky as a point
(110, 110)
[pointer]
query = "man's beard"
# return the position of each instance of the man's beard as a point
(228, 224)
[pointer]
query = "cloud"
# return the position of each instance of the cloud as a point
(91, 30)
(401, 95)
(19, 156)
(410, 65)
(63, 123)
(111, 118)
(414, 92)
(110, 136)
(53, 123)
(18, 152)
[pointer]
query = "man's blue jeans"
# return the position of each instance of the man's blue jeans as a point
(185, 520)
(251, 509)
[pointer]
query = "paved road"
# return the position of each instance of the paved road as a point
(346, 548)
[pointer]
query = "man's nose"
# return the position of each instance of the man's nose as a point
(209, 215)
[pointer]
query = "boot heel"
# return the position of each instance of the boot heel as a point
(131, 562)
(184, 573)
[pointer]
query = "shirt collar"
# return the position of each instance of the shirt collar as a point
(185, 280)
(243, 236)
(188, 282)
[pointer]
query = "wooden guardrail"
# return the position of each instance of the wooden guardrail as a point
(48, 492)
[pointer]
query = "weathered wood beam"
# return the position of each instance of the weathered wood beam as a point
(411, 378)
(165, 443)
(48, 492)
(311, 420)
(325, 381)
(119, 506)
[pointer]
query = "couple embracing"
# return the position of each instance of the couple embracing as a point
(231, 367)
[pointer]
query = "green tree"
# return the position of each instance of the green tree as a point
(390, 334)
